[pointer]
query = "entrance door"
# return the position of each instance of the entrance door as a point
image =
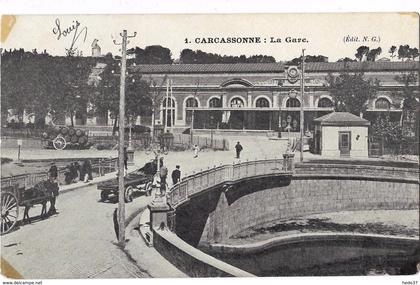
(344, 139)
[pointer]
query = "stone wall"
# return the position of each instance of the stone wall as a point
(190, 260)
(317, 189)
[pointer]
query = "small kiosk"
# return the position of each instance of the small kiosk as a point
(341, 134)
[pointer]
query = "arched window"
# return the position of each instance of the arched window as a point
(292, 103)
(191, 103)
(215, 103)
(325, 103)
(382, 103)
(262, 103)
(237, 102)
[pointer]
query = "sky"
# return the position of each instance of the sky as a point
(325, 33)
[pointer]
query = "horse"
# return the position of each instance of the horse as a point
(41, 193)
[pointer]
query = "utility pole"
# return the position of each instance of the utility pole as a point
(193, 113)
(121, 128)
(171, 107)
(302, 87)
(166, 107)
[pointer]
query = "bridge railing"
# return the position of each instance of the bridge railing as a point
(218, 175)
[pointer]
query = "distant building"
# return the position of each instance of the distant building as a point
(96, 49)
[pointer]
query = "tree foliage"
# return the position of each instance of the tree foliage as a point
(198, 56)
(405, 52)
(351, 92)
(361, 52)
(388, 130)
(308, 58)
(151, 55)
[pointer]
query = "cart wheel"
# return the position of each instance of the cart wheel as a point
(59, 143)
(128, 194)
(148, 188)
(9, 212)
(104, 196)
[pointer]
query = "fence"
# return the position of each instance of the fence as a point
(99, 167)
(21, 132)
(183, 141)
(202, 142)
(219, 175)
(378, 146)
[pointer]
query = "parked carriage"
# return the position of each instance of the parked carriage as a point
(13, 197)
(138, 181)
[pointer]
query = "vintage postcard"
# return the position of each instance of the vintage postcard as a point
(223, 145)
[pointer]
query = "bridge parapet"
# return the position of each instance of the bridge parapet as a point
(224, 174)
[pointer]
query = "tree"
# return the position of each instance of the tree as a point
(72, 93)
(346, 59)
(361, 52)
(107, 92)
(390, 132)
(373, 54)
(404, 52)
(189, 56)
(392, 51)
(410, 97)
(308, 58)
(155, 98)
(414, 52)
(351, 92)
(151, 55)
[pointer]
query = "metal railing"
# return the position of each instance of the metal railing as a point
(219, 175)
(99, 167)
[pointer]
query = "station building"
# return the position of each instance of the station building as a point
(254, 97)
(263, 96)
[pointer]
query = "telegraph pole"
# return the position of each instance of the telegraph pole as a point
(121, 128)
(302, 87)
(166, 107)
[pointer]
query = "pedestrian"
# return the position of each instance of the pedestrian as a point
(176, 175)
(53, 187)
(77, 169)
(53, 172)
(73, 172)
(196, 149)
(238, 149)
(125, 161)
(116, 226)
(163, 176)
(68, 176)
(82, 171)
(89, 169)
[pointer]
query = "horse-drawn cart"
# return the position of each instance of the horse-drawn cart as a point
(138, 181)
(15, 196)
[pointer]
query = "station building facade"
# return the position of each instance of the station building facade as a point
(262, 97)
(254, 96)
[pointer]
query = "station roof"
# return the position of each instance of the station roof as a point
(341, 119)
(275, 67)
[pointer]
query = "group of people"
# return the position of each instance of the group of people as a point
(78, 172)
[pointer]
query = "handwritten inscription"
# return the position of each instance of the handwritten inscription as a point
(70, 31)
